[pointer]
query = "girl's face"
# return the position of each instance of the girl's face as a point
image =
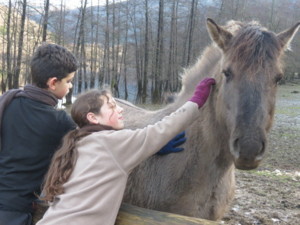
(111, 114)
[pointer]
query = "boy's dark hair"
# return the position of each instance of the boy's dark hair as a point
(51, 60)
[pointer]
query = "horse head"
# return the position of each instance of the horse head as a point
(246, 85)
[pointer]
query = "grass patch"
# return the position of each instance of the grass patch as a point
(288, 110)
(290, 135)
(275, 175)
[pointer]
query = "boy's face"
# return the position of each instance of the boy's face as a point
(60, 88)
(111, 114)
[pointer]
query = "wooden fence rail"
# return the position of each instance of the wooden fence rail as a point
(133, 215)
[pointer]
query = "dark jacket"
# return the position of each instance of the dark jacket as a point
(31, 131)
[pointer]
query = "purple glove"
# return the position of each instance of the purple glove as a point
(202, 91)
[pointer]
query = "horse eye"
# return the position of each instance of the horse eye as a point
(227, 74)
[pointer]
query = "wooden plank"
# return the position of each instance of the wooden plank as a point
(133, 215)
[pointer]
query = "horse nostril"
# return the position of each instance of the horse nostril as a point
(236, 146)
(236, 143)
(262, 150)
(248, 149)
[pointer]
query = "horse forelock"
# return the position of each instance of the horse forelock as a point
(253, 48)
(233, 26)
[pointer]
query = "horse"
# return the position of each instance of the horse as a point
(246, 60)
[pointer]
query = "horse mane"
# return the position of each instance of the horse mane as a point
(205, 66)
(253, 45)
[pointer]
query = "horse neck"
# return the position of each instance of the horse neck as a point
(212, 153)
(207, 66)
(213, 132)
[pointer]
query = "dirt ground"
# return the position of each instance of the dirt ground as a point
(271, 193)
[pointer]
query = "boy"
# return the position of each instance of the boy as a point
(31, 130)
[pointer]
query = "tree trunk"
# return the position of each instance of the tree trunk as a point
(106, 59)
(172, 77)
(92, 50)
(97, 64)
(189, 37)
(115, 51)
(124, 54)
(191, 31)
(159, 51)
(60, 37)
(14, 44)
(137, 59)
(271, 25)
(117, 63)
(146, 54)
(82, 47)
(3, 69)
(45, 21)
(20, 47)
(220, 13)
(8, 52)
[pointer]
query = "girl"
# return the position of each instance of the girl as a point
(87, 178)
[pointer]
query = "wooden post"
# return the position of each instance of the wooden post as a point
(129, 215)
(133, 215)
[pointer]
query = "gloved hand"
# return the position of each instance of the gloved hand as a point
(172, 145)
(202, 91)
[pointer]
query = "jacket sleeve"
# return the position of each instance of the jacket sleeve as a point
(66, 122)
(131, 147)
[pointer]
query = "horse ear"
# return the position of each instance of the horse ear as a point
(287, 36)
(219, 35)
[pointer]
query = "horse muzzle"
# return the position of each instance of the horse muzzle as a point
(248, 152)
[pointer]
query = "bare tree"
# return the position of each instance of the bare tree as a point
(159, 52)
(2, 70)
(45, 21)
(82, 45)
(80, 53)
(80, 50)
(106, 58)
(172, 82)
(124, 53)
(220, 13)
(20, 46)
(187, 52)
(8, 51)
(113, 83)
(138, 56)
(93, 46)
(60, 36)
(146, 54)
(96, 49)
(14, 38)
(117, 74)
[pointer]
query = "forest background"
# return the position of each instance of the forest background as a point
(137, 47)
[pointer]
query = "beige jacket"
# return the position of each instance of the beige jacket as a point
(94, 192)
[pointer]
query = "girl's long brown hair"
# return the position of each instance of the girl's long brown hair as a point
(65, 158)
